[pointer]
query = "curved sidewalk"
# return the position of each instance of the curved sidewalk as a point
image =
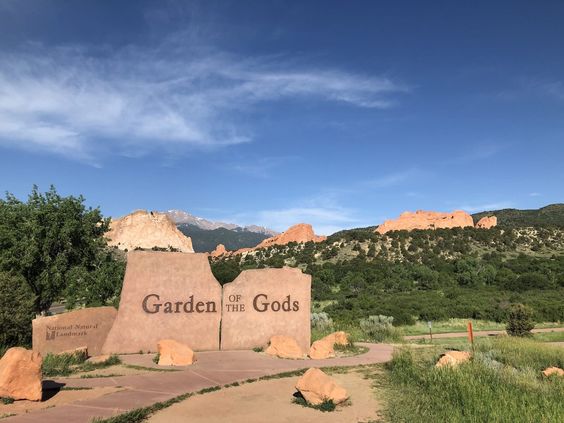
(213, 368)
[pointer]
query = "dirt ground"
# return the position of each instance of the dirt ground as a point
(271, 401)
(59, 398)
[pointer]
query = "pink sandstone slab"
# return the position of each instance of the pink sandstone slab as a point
(262, 303)
(166, 295)
(87, 327)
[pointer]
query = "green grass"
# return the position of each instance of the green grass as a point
(356, 334)
(549, 336)
(67, 364)
(459, 325)
(325, 406)
(149, 369)
(99, 376)
(6, 400)
(503, 383)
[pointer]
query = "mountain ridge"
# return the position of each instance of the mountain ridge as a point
(182, 217)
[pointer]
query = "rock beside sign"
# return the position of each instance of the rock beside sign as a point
(317, 387)
(261, 303)
(66, 332)
(338, 338)
(172, 353)
(166, 295)
(322, 349)
(284, 347)
(20, 375)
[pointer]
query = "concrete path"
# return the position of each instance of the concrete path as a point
(213, 368)
(478, 333)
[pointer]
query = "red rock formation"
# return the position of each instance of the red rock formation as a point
(142, 229)
(487, 222)
(219, 251)
(427, 220)
(301, 232)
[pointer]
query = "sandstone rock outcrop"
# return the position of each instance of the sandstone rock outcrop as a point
(487, 222)
(172, 353)
(317, 387)
(143, 229)
(553, 371)
(301, 232)
(426, 220)
(339, 338)
(20, 374)
(284, 347)
(322, 349)
(453, 358)
(219, 251)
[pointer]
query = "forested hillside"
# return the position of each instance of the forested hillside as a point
(425, 274)
(551, 215)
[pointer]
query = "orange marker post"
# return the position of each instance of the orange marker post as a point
(471, 335)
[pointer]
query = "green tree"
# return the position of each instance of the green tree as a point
(520, 320)
(16, 310)
(52, 242)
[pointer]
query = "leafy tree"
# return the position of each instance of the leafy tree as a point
(520, 320)
(53, 242)
(16, 310)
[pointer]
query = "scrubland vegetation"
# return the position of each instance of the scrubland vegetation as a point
(502, 383)
(425, 274)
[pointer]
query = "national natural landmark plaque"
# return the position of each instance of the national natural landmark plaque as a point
(166, 296)
(87, 327)
(266, 302)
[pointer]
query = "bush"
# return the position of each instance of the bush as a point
(520, 320)
(380, 328)
(321, 322)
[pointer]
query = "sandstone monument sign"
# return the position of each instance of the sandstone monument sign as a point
(265, 302)
(88, 327)
(173, 295)
(166, 295)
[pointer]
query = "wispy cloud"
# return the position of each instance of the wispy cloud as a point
(535, 194)
(486, 207)
(85, 103)
(480, 151)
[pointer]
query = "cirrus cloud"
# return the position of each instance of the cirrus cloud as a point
(84, 103)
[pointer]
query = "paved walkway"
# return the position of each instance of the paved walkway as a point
(212, 368)
(478, 333)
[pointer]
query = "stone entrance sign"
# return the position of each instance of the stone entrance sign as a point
(88, 327)
(265, 302)
(166, 296)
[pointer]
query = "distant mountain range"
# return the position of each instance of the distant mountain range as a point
(181, 217)
(205, 240)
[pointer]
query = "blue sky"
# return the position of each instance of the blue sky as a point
(340, 114)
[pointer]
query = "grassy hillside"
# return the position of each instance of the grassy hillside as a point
(552, 215)
(206, 240)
